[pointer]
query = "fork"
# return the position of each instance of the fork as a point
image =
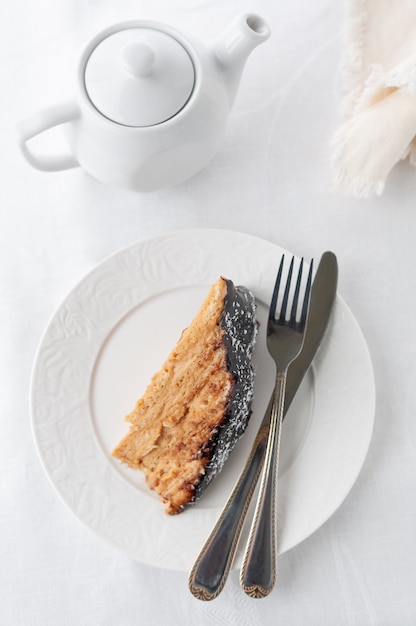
(284, 342)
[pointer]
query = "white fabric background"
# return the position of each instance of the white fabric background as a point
(270, 179)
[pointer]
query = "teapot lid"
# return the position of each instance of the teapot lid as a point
(139, 77)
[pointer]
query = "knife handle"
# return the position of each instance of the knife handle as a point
(213, 564)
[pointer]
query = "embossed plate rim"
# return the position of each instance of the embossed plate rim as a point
(79, 470)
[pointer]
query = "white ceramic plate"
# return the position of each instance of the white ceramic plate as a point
(114, 330)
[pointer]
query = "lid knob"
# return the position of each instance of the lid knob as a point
(138, 59)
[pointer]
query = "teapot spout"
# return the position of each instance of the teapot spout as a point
(234, 45)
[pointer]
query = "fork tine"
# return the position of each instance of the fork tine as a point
(306, 297)
(287, 289)
(296, 294)
(273, 304)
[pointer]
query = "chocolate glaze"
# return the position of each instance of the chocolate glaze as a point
(239, 324)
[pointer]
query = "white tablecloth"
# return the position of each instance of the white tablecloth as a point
(271, 179)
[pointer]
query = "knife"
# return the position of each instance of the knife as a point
(212, 566)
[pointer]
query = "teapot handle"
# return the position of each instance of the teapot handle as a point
(39, 123)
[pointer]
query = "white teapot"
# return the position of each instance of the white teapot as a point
(152, 105)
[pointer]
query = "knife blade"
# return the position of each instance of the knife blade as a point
(212, 566)
(322, 299)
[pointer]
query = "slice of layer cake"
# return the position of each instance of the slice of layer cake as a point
(198, 405)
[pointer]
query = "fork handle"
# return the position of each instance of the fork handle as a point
(211, 569)
(259, 568)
